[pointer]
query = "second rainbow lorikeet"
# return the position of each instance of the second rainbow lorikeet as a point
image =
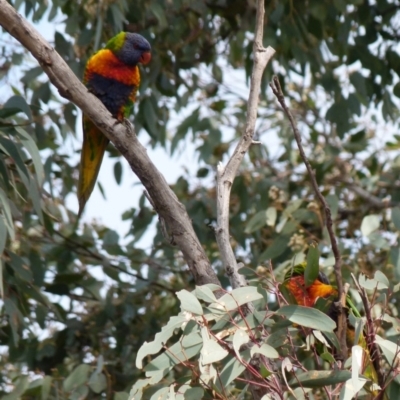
(294, 283)
(112, 75)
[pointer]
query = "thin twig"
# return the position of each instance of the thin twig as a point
(277, 90)
(226, 175)
(370, 338)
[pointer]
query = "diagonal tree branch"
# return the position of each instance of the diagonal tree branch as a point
(166, 203)
(226, 175)
(342, 319)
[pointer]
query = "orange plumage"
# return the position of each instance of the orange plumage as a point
(113, 76)
(307, 296)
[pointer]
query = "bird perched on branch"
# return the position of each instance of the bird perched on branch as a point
(294, 283)
(112, 75)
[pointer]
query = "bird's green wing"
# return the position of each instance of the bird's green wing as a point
(94, 146)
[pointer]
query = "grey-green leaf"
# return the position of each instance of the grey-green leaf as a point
(189, 302)
(77, 377)
(369, 224)
(97, 382)
(316, 379)
(308, 317)
(238, 297)
(265, 349)
(149, 348)
(312, 268)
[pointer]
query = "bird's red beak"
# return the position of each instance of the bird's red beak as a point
(145, 58)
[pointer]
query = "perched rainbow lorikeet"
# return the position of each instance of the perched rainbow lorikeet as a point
(294, 283)
(112, 75)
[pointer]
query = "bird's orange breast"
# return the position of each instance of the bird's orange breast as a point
(106, 64)
(307, 296)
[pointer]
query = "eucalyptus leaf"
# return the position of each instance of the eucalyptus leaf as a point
(77, 377)
(369, 224)
(308, 317)
(265, 349)
(312, 267)
(240, 338)
(205, 293)
(238, 297)
(317, 379)
(189, 302)
(162, 337)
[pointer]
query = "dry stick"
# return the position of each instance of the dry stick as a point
(342, 320)
(226, 175)
(166, 203)
(373, 349)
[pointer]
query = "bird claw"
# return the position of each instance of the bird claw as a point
(129, 127)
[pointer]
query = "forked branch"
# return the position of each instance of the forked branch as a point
(226, 174)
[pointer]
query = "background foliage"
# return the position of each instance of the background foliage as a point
(338, 63)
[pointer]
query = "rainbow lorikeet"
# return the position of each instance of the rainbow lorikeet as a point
(294, 283)
(112, 75)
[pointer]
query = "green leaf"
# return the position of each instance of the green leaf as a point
(396, 217)
(136, 392)
(235, 299)
(188, 123)
(20, 385)
(36, 199)
(19, 103)
(233, 368)
(179, 352)
(380, 277)
(194, 393)
(292, 207)
(6, 214)
(265, 349)
(189, 302)
(275, 249)
(256, 222)
(369, 224)
(30, 145)
(118, 172)
(308, 317)
(205, 293)
(9, 148)
(3, 234)
(80, 393)
(240, 338)
(20, 266)
(97, 382)
(372, 284)
(121, 396)
(333, 202)
(272, 215)
(396, 89)
(317, 379)
(212, 352)
(77, 377)
(149, 348)
(389, 349)
(352, 387)
(46, 387)
(312, 268)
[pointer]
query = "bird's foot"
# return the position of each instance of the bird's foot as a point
(130, 130)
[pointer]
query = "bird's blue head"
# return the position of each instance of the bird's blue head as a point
(130, 48)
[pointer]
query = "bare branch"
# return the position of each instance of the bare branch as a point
(166, 203)
(342, 320)
(226, 175)
(370, 338)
